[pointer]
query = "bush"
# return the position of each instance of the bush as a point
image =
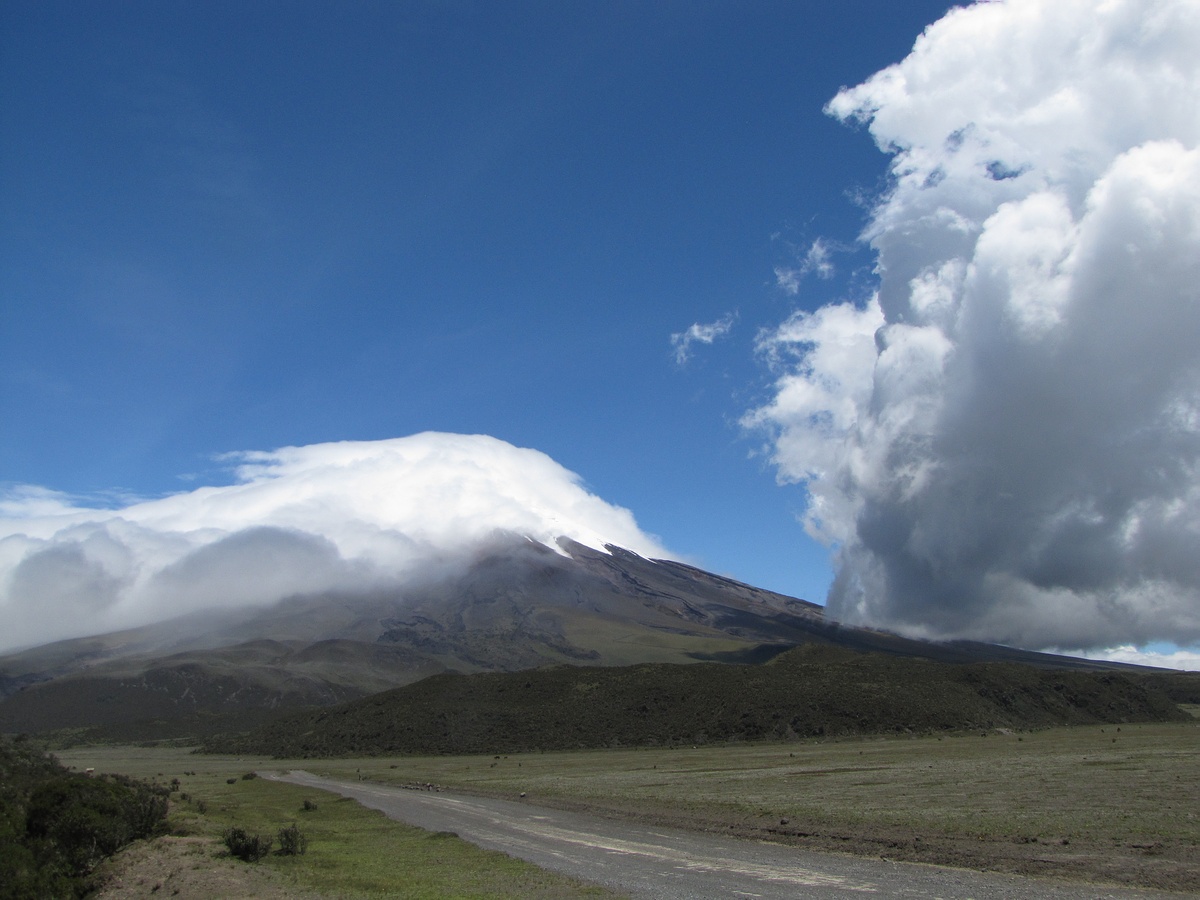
(310, 805)
(88, 819)
(55, 826)
(245, 846)
(291, 841)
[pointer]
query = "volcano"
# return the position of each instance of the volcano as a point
(513, 604)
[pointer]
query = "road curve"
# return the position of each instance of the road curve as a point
(668, 864)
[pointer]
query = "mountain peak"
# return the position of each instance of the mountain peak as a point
(349, 517)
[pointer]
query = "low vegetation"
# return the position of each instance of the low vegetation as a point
(811, 691)
(320, 845)
(292, 841)
(1103, 803)
(1106, 803)
(245, 846)
(56, 826)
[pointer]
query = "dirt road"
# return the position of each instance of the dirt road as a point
(667, 864)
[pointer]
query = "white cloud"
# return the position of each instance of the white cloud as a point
(1004, 443)
(338, 516)
(787, 279)
(817, 260)
(1188, 660)
(682, 341)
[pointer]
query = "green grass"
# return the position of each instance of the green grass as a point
(1108, 803)
(1116, 783)
(352, 851)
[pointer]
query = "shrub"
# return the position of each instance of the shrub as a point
(89, 819)
(310, 805)
(291, 841)
(245, 846)
(55, 826)
(249, 776)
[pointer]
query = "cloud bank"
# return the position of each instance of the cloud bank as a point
(1188, 660)
(1004, 442)
(339, 516)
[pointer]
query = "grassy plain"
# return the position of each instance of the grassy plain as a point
(1107, 803)
(352, 851)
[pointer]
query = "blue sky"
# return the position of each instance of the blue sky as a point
(913, 284)
(234, 226)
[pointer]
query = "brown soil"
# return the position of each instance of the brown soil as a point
(188, 868)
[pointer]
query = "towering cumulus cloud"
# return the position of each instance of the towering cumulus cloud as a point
(1004, 443)
(345, 516)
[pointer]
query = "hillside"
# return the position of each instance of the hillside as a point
(515, 605)
(809, 691)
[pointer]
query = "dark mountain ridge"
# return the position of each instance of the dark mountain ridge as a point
(513, 605)
(811, 691)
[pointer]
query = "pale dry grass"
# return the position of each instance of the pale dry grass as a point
(1120, 782)
(1108, 803)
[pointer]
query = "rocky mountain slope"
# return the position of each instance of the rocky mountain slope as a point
(514, 605)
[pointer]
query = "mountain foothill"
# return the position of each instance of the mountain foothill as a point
(495, 654)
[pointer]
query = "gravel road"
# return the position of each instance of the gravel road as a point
(667, 864)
